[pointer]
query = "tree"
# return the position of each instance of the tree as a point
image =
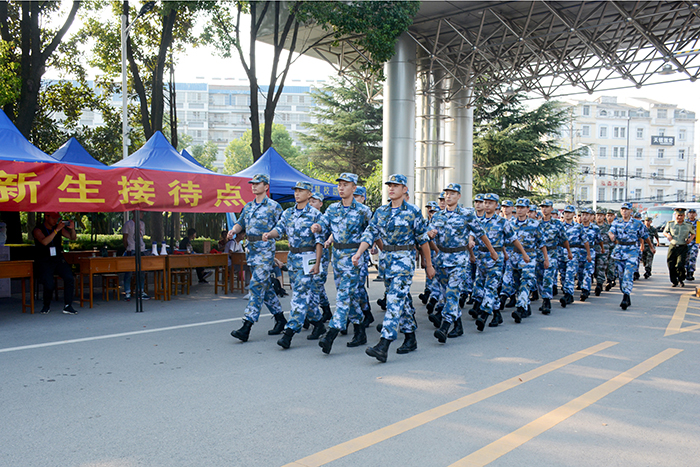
(372, 27)
(348, 135)
(239, 155)
(205, 154)
(514, 149)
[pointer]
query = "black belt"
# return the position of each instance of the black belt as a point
(627, 243)
(346, 246)
(398, 247)
(576, 246)
(254, 238)
(452, 250)
(302, 249)
(529, 250)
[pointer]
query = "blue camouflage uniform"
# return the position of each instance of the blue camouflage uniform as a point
(602, 256)
(296, 225)
(507, 277)
(346, 224)
(364, 265)
(552, 236)
(587, 268)
(400, 230)
(523, 276)
(577, 237)
(499, 232)
(453, 231)
(319, 297)
(257, 219)
(433, 285)
(626, 253)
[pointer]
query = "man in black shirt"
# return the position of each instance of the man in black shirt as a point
(49, 259)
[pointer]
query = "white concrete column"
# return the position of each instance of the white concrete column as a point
(460, 155)
(399, 152)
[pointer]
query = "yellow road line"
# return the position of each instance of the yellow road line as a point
(674, 327)
(382, 434)
(498, 448)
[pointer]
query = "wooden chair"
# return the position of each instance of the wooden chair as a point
(238, 259)
(179, 278)
(110, 283)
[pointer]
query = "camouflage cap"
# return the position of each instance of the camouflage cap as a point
(479, 197)
(532, 208)
(260, 178)
(523, 203)
(360, 191)
(454, 187)
(317, 195)
(570, 208)
(626, 206)
(508, 203)
(492, 197)
(304, 186)
(347, 177)
(397, 179)
(547, 202)
(442, 195)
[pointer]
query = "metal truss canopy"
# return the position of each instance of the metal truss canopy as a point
(539, 47)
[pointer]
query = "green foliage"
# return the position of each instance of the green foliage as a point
(375, 25)
(239, 154)
(374, 185)
(514, 150)
(205, 153)
(348, 135)
(10, 81)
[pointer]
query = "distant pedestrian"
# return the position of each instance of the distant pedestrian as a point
(679, 234)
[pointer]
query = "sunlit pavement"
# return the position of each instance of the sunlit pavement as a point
(587, 385)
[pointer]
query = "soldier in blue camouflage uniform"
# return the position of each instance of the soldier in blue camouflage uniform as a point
(296, 224)
(475, 258)
(587, 267)
(360, 196)
(627, 232)
(432, 287)
(320, 297)
(258, 217)
(553, 238)
(602, 251)
(400, 227)
(346, 220)
(578, 241)
(507, 291)
(451, 230)
(692, 257)
(499, 232)
(611, 272)
(528, 233)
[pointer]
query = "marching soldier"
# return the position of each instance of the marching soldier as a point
(360, 196)
(602, 252)
(296, 224)
(346, 220)
(553, 238)
(400, 226)
(258, 217)
(679, 234)
(578, 242)
(587, 265)
(692, 257)
(647, 255)
(611, 272)
(320, 298)
(627, 232)
(451, 229)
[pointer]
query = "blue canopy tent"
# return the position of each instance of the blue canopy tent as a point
(15, 147)
(159, 154)
(190, 157)
(283, 177)
(73, 152)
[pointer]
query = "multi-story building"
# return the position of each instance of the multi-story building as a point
(221, 112)
(640, 153)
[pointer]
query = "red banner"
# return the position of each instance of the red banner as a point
(44, 187)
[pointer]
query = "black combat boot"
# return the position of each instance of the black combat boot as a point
(318, 330)
(626, 302)
(546, 306)
(441, 334)
(476, 309)
(369, 318)
(635, 276)
(496, 320)
(360, 337)
(424, 296)
(380, 350)
(286, 340)
(327, 315)
(307, 323)
(436, 319)
(431, 305)
(326, 341)
(555, 291)
(244, 332)
(528, 312)
(409, 343)
(280, 321)
(584, 295)
(534, 296)
(457, 330)
(511, 302)
(481, 320)
(502, 302)
(382, 303)
(463, 299)
(598, 290)
(518, 314)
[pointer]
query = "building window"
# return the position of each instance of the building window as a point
(601, 171)
(584, 193)
(619, 132)
(660, 154)
(638, 173)
(681, 154)
(680, 195)
(659, 195)
(661, 113)
(603, 132)
(640, 133)
(640, 153)
(586, 110)
(585, 170)
(586, 130)
(681, 175)
(681, 135)
(603, 113)
(601, 194)
(660, 173)
(638, 194)
(602, 151)
(618, 151)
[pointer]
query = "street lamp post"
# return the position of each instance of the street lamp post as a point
(627, 159)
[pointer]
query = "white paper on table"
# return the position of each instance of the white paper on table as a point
(308, 260)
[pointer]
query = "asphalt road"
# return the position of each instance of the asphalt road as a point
(588, 385)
